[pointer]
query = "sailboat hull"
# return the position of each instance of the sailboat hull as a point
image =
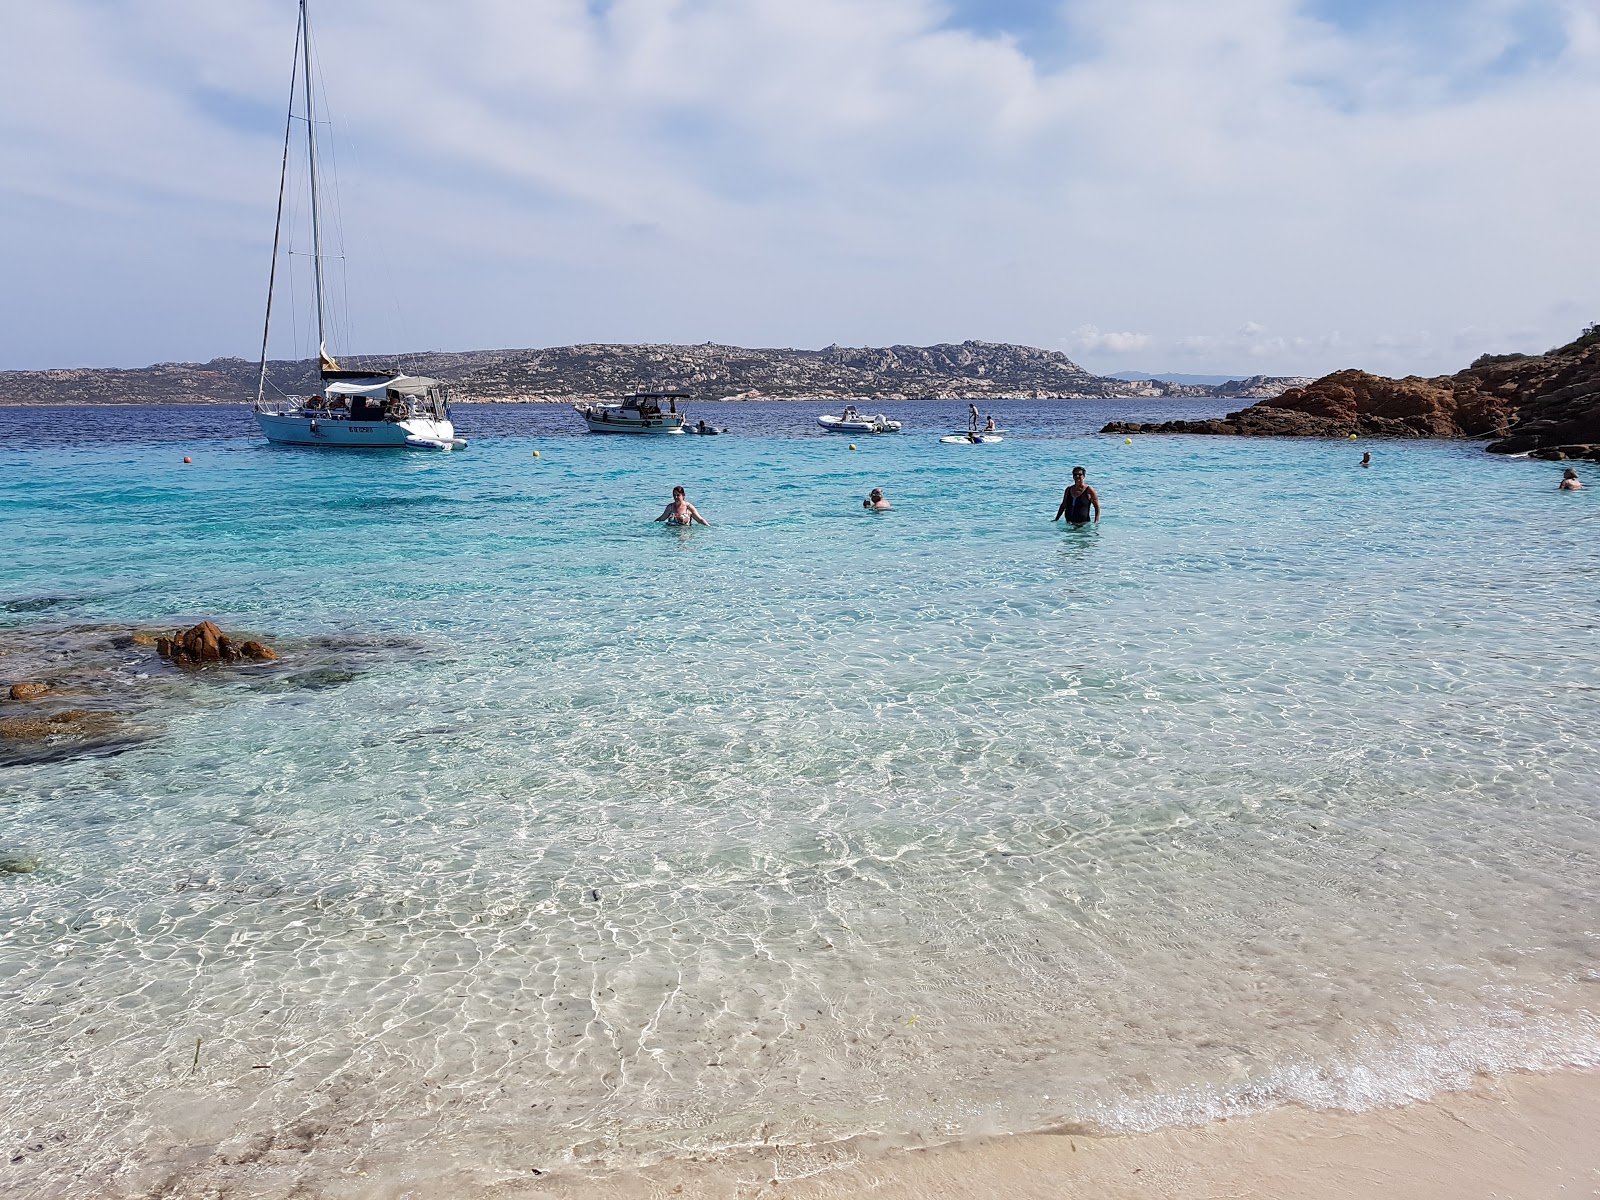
(418, 433)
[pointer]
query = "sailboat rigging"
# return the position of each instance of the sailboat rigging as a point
(356, 408)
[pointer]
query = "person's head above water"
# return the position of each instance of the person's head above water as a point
(1569, 473)
(1078, 474)
(678, 493)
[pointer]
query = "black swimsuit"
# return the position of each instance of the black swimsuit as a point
(1078, 507)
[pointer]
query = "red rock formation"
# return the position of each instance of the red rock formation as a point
(205, 644)
(1548, 404)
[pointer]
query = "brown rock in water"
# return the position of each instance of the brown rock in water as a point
(1530, 402)
(28, 691)
(204, 644)
(144, 637)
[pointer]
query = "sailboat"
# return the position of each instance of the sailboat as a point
(355, 408)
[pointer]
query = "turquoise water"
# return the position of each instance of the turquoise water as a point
(613, 843)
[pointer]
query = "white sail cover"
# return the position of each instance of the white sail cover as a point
(403, 385)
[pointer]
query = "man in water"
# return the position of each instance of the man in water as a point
(1079, 500)
(1366, 459)
(1569, 482)
(680, 511)
(876, 502)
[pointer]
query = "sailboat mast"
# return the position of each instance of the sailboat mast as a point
(311, 163)
(277, 228)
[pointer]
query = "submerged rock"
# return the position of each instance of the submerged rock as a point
(19, 862)
(28, 691)
(72, 722)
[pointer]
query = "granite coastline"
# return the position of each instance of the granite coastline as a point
(971, 370)
(1544, 405)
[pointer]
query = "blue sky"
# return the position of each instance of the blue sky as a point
(1286, 186)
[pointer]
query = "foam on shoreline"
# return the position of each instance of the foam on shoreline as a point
(1513, 1136)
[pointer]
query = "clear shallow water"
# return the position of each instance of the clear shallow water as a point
(1280, 786)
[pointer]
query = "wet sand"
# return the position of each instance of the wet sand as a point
(1517, 1137)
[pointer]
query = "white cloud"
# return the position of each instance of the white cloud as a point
(808, 171)
(1086, 339)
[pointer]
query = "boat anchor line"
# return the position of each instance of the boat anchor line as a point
(357, 409)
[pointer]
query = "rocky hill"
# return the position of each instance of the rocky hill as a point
(1547, 404)
(972, 370)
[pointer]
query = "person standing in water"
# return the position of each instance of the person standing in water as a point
(1366, 459)
(1079, 500)
(876, 502)
(1569, 482)
(680, 511)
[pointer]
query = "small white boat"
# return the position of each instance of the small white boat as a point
(639, 413)
(972, 439)
(853, 422)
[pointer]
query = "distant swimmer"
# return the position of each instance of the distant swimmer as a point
(1079, 500)
(972, 416)
(680, 511)
(876, 502)
(1366, 459)
(1569, 482)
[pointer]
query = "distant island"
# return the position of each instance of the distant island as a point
(970, 371)
(1546, 405)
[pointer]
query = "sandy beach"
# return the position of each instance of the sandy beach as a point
(1516, 1137)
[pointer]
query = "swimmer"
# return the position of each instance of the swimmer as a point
(1079, 500)
(680, 511)
(876, 502)
(1569, 482)
(1366, 459)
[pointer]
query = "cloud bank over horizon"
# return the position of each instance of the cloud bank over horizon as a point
(1241, 186)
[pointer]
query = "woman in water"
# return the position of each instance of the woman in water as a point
(1078, 500)
(680, 511)
(876, 502)
(1569, 482)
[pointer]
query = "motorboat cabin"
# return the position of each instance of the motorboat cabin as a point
(642, 412)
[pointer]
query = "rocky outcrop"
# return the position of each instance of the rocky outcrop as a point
(104, 697)
(1548, 403)
(968, 370)
(28, 691)
(205, 644)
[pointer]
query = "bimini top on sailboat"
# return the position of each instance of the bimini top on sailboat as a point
(356, 408)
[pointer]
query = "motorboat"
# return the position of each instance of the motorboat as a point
(972, 438)
(638, 413)
(853, 422)
(371, 409)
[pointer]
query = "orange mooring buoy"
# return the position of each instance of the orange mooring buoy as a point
(185, 458)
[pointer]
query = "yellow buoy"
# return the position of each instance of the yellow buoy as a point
(536, 454)
(852, 445)
(1127, 441)
(1352, 437)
